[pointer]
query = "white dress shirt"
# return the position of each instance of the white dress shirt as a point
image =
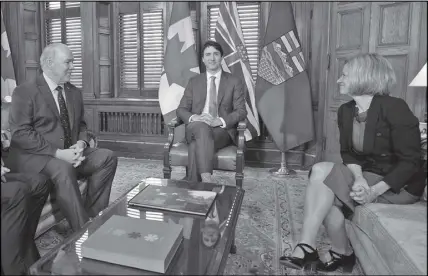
(52, 86)
(217, 84)
(207, 100)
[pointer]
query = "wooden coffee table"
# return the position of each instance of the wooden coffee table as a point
(201, 253)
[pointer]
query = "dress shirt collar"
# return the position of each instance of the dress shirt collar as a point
(216, 75)
(52, 85)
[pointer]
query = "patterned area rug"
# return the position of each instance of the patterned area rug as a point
(269, 224)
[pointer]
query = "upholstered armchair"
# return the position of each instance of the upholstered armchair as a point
(230, 158)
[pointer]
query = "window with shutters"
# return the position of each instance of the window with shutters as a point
(62, 24)
(249, 16)
(141, 47)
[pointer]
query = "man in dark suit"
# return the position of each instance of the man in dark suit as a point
(212, 105)
(22, 199)
(49, 136)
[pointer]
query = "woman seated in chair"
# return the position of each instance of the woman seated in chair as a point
(380, 148)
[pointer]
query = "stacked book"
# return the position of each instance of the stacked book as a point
(174, 199)
(131, 246)
(130, 242)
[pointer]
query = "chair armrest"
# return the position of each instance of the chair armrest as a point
(175, 122)
(240, 160)
(242, 126)
(93, 141)
(5, 139)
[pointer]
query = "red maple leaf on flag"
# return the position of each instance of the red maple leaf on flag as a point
(178, 64)
(6, 71)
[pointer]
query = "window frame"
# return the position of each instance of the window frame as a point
(141, 92)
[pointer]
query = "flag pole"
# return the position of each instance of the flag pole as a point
(282, 171)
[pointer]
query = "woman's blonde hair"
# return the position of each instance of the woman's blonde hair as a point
(370, 74)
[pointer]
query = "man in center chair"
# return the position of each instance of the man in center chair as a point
(212, 105)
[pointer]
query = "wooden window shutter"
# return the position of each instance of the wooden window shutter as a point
(53, 31)
(128, 50)
(141, 45)
(152, 56)
(73, 31)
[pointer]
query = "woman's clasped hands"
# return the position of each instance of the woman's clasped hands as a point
(361, 192)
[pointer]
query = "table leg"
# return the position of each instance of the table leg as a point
(233, 247)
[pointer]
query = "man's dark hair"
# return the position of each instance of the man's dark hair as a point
(214, 44)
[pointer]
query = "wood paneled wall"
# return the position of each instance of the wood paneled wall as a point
(22, 21)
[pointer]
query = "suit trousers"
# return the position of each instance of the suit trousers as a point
(22, 199)
(204, 141)
(99, 168)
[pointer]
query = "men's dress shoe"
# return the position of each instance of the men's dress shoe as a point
(308, 262)
(347, 262)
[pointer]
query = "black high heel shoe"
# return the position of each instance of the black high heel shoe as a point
(308, 262)
(347, 262)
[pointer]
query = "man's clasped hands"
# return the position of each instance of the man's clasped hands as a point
(208, 119)
(72, 155)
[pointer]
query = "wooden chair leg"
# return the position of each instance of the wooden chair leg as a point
(233, 248)
(186, 177)
(239, 177)
(167, 172)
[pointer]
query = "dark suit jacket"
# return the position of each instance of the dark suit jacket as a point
(392, 142)
(230, 99)
(35, 124)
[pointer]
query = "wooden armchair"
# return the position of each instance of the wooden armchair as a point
(230, 158)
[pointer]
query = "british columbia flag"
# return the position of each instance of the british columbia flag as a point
(228, 33)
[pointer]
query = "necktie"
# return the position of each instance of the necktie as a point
(65, 121)
(212, 107)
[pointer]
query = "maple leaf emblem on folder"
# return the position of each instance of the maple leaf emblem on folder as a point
(151, 237)
(134, 235)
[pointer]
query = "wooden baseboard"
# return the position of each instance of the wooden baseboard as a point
(262, 158)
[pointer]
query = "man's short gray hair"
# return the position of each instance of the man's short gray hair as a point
(49, 53)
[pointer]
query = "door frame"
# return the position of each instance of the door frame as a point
(322, 25)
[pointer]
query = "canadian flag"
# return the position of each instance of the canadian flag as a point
(8, 80)
(180, 63)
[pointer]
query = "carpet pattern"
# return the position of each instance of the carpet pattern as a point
(269, 224)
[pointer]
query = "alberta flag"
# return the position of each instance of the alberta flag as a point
(180, 63)
(228, 34)
(283, 92)
(8, 80)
